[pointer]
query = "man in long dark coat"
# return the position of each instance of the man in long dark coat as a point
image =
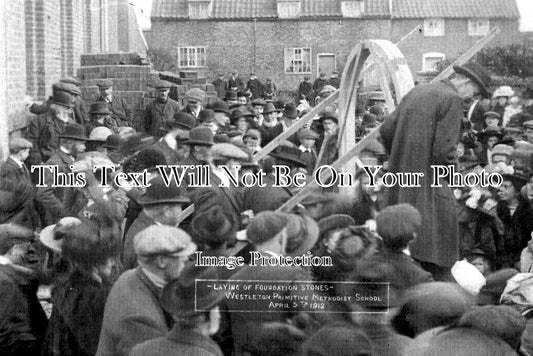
(161, 110)
(424, 131)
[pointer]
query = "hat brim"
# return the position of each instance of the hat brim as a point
(221, 110)
(271, 111)
(46, 236)
(466, 72)
(199, 143)
(70, 106)
(143, 200)
(335, 221)
(294, 160)
(72, 137)
(100, 112)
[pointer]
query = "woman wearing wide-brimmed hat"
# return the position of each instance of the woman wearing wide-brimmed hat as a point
(90, 247)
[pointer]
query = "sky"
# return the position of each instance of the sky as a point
(143, 8)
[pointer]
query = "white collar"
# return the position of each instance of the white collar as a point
(155, 279)
(17, 161)
(225, 182)
(171, 141)
(304, 149)
(270, 124)
(64, 150)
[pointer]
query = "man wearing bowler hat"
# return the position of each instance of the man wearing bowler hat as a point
(271, 127)
(161, 205)
(161, 110)
(44, 130)
(174, 135)
(120, 110)
(71, 144)
(101, 116)
(423, 131)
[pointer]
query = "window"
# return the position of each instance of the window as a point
(191, 57)
(298, 60)
(478, 27)
(353, 8)
(199, 10)
(288, 9)
(434, 27)
(430, 60)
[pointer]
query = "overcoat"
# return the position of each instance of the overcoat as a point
(178, 342)
(132, 315)
(120, 110)
(157, 114)
(43, 132)
(424, 131)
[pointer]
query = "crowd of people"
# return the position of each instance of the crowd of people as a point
(109, 269)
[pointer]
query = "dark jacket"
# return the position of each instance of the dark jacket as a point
(407, 273)
(77, 314)
(22, 319)
(17, 195)
(270, 133)
(120, 110)
(129, 259)
(81, 115)
(256, 88)
(157, 114)
(132, 315)
(235, 83)
(423, 131)
(221, 86)
(260, 199)
(43, 132)
(53, 198)
(306, 89)
(318, 84)
(178, 342)
(517, 232)
(171, 156)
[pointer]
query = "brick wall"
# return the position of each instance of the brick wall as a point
(453, 44)
(12, 69)
(258, 47)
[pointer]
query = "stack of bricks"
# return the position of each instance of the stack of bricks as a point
(133, 80)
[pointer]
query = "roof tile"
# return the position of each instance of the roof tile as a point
(454, 9)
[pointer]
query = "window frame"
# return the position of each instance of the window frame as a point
(428, 32)
(428, 55)
(348, 12)
(476, 32)
(293, 59)
(196, 59)
(287, 15)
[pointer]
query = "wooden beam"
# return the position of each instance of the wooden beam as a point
(296, 126)
(468, 55)
(312, 185)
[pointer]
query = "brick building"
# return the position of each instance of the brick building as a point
(43, 41)
(287, 39)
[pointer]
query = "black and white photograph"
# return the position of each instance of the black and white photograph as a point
(266, 177)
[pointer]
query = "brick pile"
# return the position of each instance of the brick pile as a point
(133, 80)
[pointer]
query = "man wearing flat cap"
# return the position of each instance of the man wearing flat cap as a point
(120, 110)
(195, 99)
(16, 189)
(424, 131)
(23, 322)
(133, 312)
(161, 110)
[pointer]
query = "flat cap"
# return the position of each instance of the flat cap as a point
(163, 85)
(308, 133)
(66, 87)
(19, 143)
(163, 240)
(12, 234)
(71, 80)
(502, 150)
(253, 133)
(206, 116)
(528, 124)
(492, 114)
(259, 101)
(195, 94)
(104, 84)
(227, 150)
